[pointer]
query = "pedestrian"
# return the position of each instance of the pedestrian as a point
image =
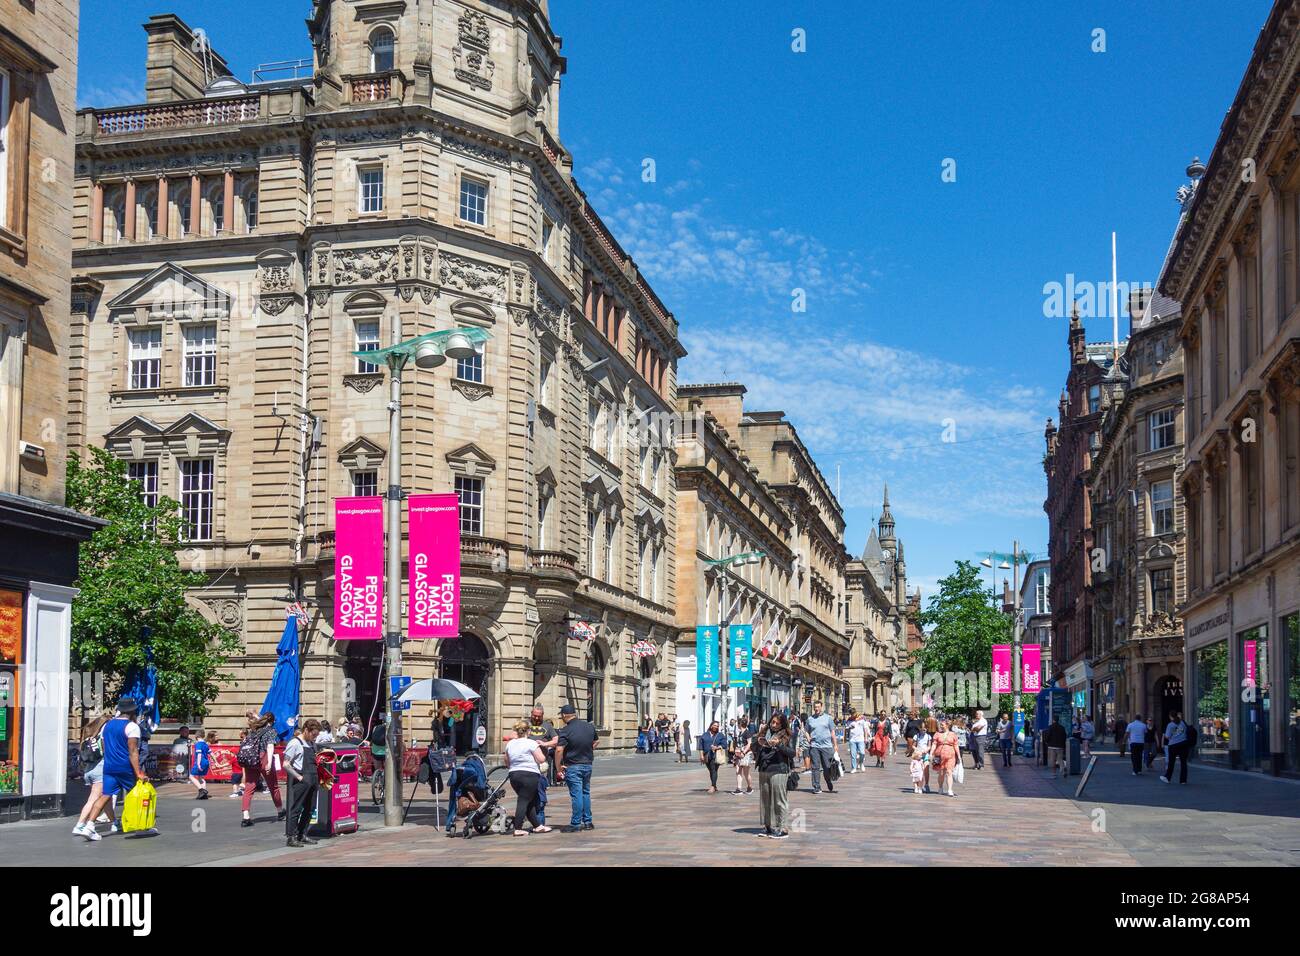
(823, 748)
(946, 752)
(303, 780)
(257, 760)
(236, 776)
(91, 758)
(181, 754)
(1121, 733)
(661, 733)
(1054, 740)
(675, 731)
(774, 753)
(918, 766)
(525, 758)
(542, 732)
(978, 732)
(575, 753)
(911, 729)
(880, 742)
(742, 757)
(686, 741)
(326, 735)
(857, 742)
(202, 764)
(930, 729)
(1179, 743)
(1136, 733)
(1004, 731)
(1152, 743)
(121, 745)
(1087, 730)
(713, 753)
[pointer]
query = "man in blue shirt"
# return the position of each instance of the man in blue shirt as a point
(823, 747)
(121, 737)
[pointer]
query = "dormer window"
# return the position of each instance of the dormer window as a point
(383, 50)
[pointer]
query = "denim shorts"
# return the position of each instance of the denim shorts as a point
(94, 775)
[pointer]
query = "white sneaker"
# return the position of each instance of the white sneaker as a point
(114, 829)
(102, 818)
(76, 831)
(90, 834)
(1164, 779)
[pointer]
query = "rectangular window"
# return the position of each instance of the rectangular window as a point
(196, 498)
(592, 518)
(371, 180)
(145, 358)
(5, 148)
(610, 541)
(145, 474)
(1094, 399)
(367, 341)
(1162, 590)
(473, 201)
(1162, 428)
(470, 492)
(200, 355)
(548, 231)
(470, 369)
(1291, 706)
(1162, 507)
(544, 382)
(543, 505)
(365, 484)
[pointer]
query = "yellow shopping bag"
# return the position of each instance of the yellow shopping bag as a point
(139, 808)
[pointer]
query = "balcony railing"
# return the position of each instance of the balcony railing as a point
(182, 115)
(554, 561)
(376, 87)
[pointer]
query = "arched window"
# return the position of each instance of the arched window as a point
(382, 50)
(181, 201)
(148, 208)
(248, 196)
(115, 222)
(596, 686)
(217, 205)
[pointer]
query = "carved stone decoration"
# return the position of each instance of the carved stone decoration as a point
(520, 315)
(321, 297)
(471, 390)
(477, 150)
(275, 304)
(551, 315)
(229, 612)
(277, 278)
(407, 291)
(363, 382)
(365, 266)
(473, 65)
(472, 278)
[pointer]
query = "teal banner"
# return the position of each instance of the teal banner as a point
(708, 673)
(740, 654)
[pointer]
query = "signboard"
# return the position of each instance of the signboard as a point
(707, 670)
(1031, 668)
(434, 566)
(358, 568)
(1061, 706)
(1001, 668)
(398, 684)
(740, 654)
(1250, 664)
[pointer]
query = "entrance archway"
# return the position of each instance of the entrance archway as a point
(1169, 698)
(468, 660)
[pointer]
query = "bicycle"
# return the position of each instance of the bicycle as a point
(377, 778)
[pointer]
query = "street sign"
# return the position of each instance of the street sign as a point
(708, 672)
(401, 704)
(396, 685)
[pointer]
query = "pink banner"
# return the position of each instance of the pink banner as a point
(1001, 668)
(434, 585)
(1251, 665)
(1031, 668)
(358, 568)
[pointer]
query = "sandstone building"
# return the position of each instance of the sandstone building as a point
(236, 242)
(39, 537)
(1235, 270)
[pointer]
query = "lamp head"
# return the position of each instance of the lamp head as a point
(458, 346)
(428, 356)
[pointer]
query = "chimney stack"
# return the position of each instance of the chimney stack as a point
(174, 70)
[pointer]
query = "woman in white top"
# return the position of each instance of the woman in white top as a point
(525, 760)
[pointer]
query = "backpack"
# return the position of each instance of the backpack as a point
(91, 753)
(250, 751)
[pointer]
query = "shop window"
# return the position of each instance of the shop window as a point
(11, 661)
(1210, 696)
(1256, 688)
(1291, 634)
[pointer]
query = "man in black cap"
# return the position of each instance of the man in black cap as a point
(574, 753)
(121, 737)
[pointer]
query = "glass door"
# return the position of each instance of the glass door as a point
(1255, 687)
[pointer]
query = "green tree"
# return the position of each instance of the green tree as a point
(130, 579)
(961, 628)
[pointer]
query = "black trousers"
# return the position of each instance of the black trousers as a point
(302, 801)
(526, 784)
(1135, 752)
(822, 758)
(1178, 752)
(712, 764)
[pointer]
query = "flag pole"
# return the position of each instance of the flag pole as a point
(1114, 296)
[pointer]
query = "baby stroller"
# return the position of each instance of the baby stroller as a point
(478, 798)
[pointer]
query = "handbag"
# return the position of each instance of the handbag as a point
(959, 773)
(792, 781)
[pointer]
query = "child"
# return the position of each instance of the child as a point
(920, 761)
(202, 764)
(237, 778)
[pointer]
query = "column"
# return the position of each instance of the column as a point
(97, 214)
(160, 227)
(128, 228)
(196, 206)
(228, 202)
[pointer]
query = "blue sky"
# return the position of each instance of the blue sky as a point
(821, 171)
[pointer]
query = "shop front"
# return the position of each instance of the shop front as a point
(1208, 665)
(1078, 681)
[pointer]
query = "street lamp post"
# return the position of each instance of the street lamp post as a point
(724, 622)
(429, 351)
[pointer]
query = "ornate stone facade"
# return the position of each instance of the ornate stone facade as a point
(380, 200)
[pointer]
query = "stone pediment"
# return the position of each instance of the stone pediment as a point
(172, 290)
(471, 461)
(603, 490)
(137, 426)
(361, 453)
